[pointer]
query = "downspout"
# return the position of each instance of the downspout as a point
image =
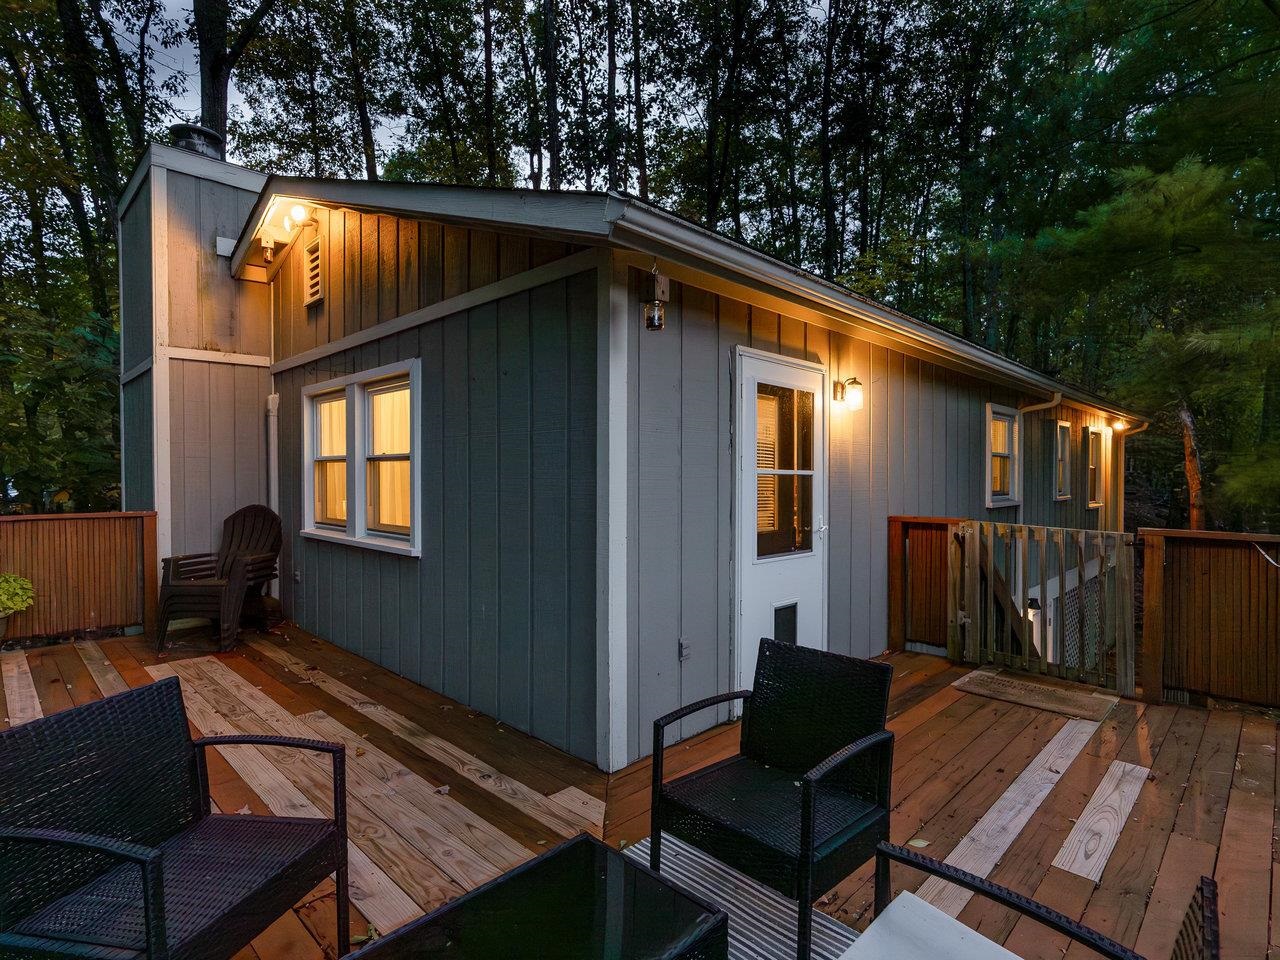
(1033, 408)
(273, 464)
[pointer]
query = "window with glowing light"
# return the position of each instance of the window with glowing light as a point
(363, 470)
(1062, 461)
(1095, 452)
(1003, 456)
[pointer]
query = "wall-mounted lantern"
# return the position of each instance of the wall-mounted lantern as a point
(848, 392)
(657, 291)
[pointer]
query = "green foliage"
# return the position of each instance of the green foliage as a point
(1088, 187)
(16, 594)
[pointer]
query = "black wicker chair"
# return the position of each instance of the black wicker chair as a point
(1197, 939)
(108, 848)
(218, 585)
(806, 801)
(1198, 936)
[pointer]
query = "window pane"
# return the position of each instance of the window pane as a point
(331, 492)
(331, 420)
(999, 476)
(784, 514)
(389, 496)
(784, 428)
(389, 421)
(999, 435)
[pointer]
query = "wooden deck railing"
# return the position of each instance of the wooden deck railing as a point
(1211, 616)
(90, 571)
(1051, 600)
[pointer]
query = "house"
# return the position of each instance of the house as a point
(517, 437)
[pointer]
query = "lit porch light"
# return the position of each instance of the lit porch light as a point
(848, 392)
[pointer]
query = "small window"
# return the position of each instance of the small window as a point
(1095, 476)
(363, 463)
(313, 266)
(330, 462)
(1062, 461)
(1003, 456)
(387, 462)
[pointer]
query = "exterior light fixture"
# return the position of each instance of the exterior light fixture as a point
(657, 292)
(268, 249)
(1119, 425)
(848, 392)
(299, 213)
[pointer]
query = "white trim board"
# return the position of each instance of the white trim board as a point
(161, 423)
(613, 545)
(575, 263)
(1088, 847)
(982, 847)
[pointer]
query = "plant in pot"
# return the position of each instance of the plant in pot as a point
(16, 594)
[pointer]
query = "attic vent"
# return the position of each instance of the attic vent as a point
(314, 281)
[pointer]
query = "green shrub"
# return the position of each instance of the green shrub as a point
(16, 594)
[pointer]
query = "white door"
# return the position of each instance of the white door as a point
(781, 503)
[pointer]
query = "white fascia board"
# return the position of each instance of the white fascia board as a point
(649, 230)
(572, 214)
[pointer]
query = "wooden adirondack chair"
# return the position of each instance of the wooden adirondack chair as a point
(216, 585)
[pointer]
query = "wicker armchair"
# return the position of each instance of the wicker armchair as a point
(1197, 938)
(108, 848)
(216, 585)
(806, 801)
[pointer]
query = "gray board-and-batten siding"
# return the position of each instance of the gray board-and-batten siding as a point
(917, 447)
(499, 612)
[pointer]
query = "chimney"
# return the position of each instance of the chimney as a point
(198, 139)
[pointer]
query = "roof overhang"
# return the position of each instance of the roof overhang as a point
(618, 220)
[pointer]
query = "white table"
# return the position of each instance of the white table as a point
(913, 929)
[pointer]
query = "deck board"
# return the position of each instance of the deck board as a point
(418, 765)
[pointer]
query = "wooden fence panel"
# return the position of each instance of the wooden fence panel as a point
(90, 571)
(1211, 615)
(919, 586)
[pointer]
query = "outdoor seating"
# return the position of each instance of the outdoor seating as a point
(806, 800)
(1197, 938)
(109, 848)
(218, 585)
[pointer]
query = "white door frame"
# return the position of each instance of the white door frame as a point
(744, 542)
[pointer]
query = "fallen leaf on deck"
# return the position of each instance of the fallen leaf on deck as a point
(917, 843)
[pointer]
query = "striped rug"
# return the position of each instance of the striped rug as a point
(762, 923)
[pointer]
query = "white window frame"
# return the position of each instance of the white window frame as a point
(357, 387)
(1014, 497)
(1101, 433)
(1062, 451)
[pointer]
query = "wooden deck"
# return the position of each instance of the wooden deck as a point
(1111, 823)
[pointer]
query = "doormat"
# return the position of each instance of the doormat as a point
(1070, 701)
(762, 922)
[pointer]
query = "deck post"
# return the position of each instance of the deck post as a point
(150, 575)
(1152, 617)
(897, 585)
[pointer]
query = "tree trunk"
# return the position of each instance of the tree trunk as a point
(827, 194)
(359, 90)
(88, 99)
(637, 80)
(490, 135)
(611, 94)
(550, 69)
(218, 51)
(1191, 466)
(1269, 422)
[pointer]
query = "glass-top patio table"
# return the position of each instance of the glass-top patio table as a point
(579, 901)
